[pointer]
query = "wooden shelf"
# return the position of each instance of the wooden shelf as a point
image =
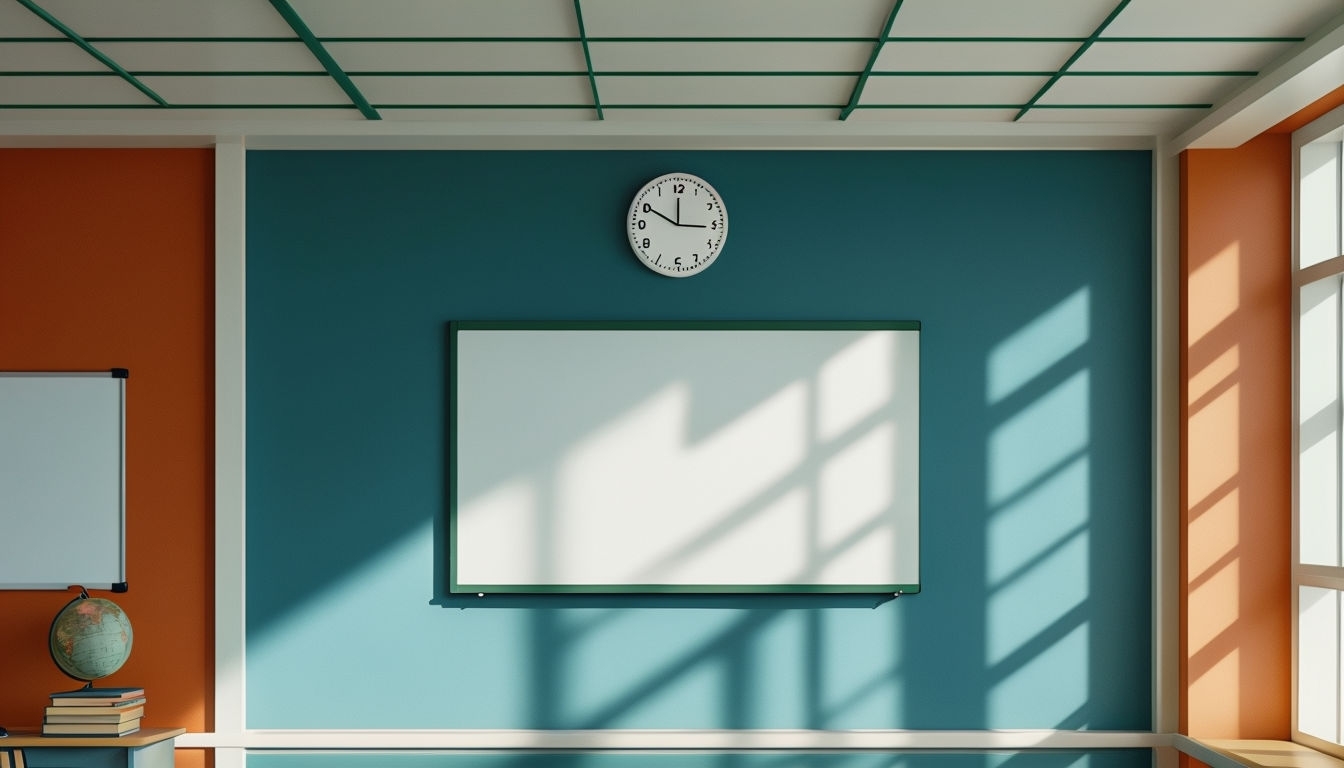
(30, 738)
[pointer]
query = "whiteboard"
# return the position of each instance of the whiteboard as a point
(692, 457)
(62, 480)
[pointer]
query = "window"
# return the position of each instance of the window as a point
(1318, 540)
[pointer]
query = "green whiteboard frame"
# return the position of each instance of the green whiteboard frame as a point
(456, 586)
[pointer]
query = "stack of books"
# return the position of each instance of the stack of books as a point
(94, 712)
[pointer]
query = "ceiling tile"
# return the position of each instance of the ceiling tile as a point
(1222, 18)
(459, 57)
(783, 89)
(180, 115)
(731, 57)
(735, 18)
(490, 115)
(722, 115)
(439, 18)
(73, 89)
(169, 18)
(1150, 120)
(995, 18)
(450, 91)
(249, 89)
(1178, 57)
(1124, 89)
(47, 57)
(924, 115)
(998, 91)
(17, 21)
(213, 57)
(900, 56)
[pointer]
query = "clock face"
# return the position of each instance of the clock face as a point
(677, 224)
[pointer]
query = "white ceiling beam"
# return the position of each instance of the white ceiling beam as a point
(1305, 74)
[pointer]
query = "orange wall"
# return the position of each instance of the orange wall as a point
(106, 260)
(1235, 441)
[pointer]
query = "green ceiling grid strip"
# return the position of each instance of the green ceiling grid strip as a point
(872, 59)
(949, 107)
(88, 48)
(1096, 34)
(588, 59)
(343, 80)
(566, 73)
(869, 40)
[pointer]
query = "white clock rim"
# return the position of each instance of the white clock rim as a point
(644, 190)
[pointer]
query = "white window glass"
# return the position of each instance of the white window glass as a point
(1318, 663)
(1319, 423)
(1318, 227)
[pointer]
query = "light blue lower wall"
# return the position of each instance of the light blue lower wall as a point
(1030, 273)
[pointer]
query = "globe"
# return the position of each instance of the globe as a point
(90, 638)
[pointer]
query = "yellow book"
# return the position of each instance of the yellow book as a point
(19, 762)
(5, 761)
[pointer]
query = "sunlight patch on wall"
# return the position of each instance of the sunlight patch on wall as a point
(1214, 534)
(1204, 381)
(1217, 283)
(1038, 542)
(1214, 605)
(1039, 520)
(1213, 439)
(1038, 345)
(1055, 679)
(1038, 439)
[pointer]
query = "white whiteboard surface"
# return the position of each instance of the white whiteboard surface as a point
(62, 469)
(684, 458)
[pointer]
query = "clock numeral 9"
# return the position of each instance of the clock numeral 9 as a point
(645, 243)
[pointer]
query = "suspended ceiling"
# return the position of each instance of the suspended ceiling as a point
(830, 67)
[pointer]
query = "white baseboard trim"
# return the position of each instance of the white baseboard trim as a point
(664, 740)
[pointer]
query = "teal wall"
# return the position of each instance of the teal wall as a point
(1030, 273)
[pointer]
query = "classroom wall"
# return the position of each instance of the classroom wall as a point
(106, 260)
(1236, 374)
(1031, 275)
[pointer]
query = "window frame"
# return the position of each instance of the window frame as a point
(1327, 129)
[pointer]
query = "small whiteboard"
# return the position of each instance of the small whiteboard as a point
(62, 480)
(684, 457)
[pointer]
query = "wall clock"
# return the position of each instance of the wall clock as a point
(677, 224)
